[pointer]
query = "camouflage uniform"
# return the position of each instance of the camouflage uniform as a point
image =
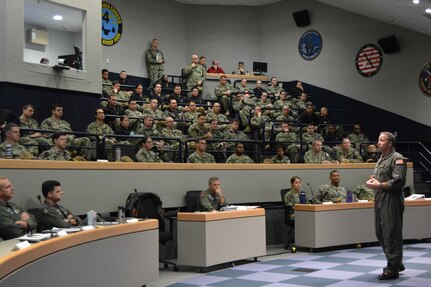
(281, 103)
(351, 155)
(134, 124)
(308, 138)
(155, 70)
(9, 213)
(54, 216)
(191, 116)
(283, 118)
(205, 158)
(106, 86)
(17, 150)
(197, 131)
(238, 135)
(244, 113)
(358, 140)
(329, 192)
(264, 104)
(173, 133)
(239, 159)
(262, 124)
(54, 124)
(147, 156)
(276, 159)
(194, 74)
(55, 154)
(290, 199)
(274, 90)
(207, 201)
(148, 131)
(311, 157)
(219, 117)
(157, 114)
(223, 98)
(31, 143)
(290, 142)
(362, 192)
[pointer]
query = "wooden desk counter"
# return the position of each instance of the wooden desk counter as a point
(210, 238)
(78, 259)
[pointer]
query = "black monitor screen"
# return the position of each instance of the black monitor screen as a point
(260, 67)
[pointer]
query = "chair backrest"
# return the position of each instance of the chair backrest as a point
(148, 205)
(192, 197)
(283, 194)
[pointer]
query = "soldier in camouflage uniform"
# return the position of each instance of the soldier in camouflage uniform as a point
(310, 136)
(280, 157)
(261, 123)
(357, 137)
(153, 110)
(200, 129)
(289, 140)
(242, 88)
(155, 60)
(191, 113)
(239, 156)
(223, 93)
(169, 131)
(106, 83)
(195, 74)
(145, 154)
(31, 139)
(247, 105)
(123, 96)
(58, 152)
(264, 102)
(285, 115)
(215, 114)
(282, 101)
(52, 214)
(362, 192)
(316, 155)
(132, 112)
(12, 138)
(212, 198)
(200, 156)
(292, 196)
(274, 89)
(332, 192)
(234, 134)
(14, 221)
(347, 154)
(55, 123)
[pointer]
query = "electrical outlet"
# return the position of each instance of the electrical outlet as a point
(107, 61)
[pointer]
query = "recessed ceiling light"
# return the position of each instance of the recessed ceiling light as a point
(428, 10)
(57, 17)
(416, 1)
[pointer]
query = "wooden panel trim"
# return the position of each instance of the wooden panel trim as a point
(212, 216)
(353, 205)
(93, 165)
(17, 259)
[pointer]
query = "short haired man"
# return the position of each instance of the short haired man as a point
(215, 68)
(239, 156)
(212, 198)
(195, 73)
(106, 83)
(280, 157)
(346, 153)
(200, 156)
(332, 192)
(274, 88)
(155, 60)
(234, 134)
(31, 139)
(223, 92)
(200, 129)
(14, 220)
(58, 152)
(13, 135)
(52, 214)
(316, 155)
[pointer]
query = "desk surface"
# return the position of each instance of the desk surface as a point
(219, 215)
(239, 77)
(353, 205)
(13, 260)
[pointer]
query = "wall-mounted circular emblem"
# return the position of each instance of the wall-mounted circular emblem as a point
(112, 25)
(425, 79)
(369, 60)
(310, 45)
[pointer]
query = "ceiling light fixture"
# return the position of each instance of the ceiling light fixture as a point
(57, 17)
(416, 1)
(428, 10)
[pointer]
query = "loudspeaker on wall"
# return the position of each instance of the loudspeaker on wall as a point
(302, 18)
(389, 44)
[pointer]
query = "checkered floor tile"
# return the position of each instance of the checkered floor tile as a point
(353, 268)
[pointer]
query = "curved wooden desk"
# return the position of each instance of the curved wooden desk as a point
(119, 255)
(321, 225)
(210, 238)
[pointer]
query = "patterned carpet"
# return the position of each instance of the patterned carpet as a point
(351, 268)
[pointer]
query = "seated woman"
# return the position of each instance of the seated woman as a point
(290, 199)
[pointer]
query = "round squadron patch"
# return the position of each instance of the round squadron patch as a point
(310, 45)
(425, 79)
(112, 25)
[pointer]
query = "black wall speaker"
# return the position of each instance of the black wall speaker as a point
(302, 18)
(389, 44)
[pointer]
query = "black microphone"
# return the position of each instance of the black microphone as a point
(40, 200)
(140, 205)
(312, 193)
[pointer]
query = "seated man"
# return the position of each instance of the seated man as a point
(223, 92)
(316, 155)
(240, 70)
(14, 221)
(280, 157)
(52, 214)
(101, 129)
(357, 137)
(58, 152)
(347, 154)
(145, 154)
(106, 83)
(234, 134)
(239, 156)
(31, 139)
(274, 89)
(212, 198)
(215, 68)
(200, 156)
(215, 114)
(332, 192)
(135, 116)
(200, 129)
(17, 151)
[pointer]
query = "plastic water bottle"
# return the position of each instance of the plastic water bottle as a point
(302, 197)
(91, 218)
(349, 197)
(8, 151)
(121, 217)
(117, 153)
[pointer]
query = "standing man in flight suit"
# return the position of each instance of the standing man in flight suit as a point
(388, 181)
